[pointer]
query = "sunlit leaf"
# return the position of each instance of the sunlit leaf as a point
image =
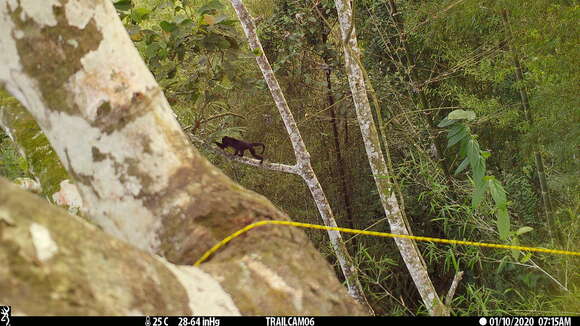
(524, 229)
(515, 252)
(497, 193)
(503, 223)
(445, 122)
(461, 115)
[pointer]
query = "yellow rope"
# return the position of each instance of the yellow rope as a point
(377, 234)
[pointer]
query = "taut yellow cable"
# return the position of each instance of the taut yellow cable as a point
(377, 234)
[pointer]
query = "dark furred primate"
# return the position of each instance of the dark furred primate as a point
(240, 147)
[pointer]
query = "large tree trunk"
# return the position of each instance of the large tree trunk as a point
(73, 66)
(303, 165)
(381, 173)
(57, 264)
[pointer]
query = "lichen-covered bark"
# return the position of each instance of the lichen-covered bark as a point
(302, 156)
(32, 144)
(408, 250)
(57, 264)
(139, 177)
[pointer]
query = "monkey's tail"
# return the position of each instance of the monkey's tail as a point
(260, 144)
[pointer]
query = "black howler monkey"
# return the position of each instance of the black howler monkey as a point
(241, 146)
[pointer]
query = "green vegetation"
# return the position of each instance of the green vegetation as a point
(462, 144)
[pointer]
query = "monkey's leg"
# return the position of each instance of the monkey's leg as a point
(256, 156)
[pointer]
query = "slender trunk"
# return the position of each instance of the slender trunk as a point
(544, 191)
(340, 162)
(407, 248)
(302, 155)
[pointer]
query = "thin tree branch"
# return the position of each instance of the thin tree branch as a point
(293, 169)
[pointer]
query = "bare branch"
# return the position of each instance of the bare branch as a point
(456, 279)
(293, 169)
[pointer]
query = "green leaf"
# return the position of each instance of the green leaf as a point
(462, 166)
(498, 193)
(478, 194)
(461, 115)
(526, 257)
(139, 14)
(524, 229)
(167, 26)
(220, 19)
(454, 261)
(501, 266)
(228, 22)
(503, 223)
(476, 162)
(446, 122)
(515, 252)
(456, 139)
(186, 22)
(123, 5)
(454, 130)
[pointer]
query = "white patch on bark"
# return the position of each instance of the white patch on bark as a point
(206, 296)
(68, 196)
(43, 14)
(275, 281)
(112, 73)
(113, 187)
(45, 246)
(76, 14)
(9, 67)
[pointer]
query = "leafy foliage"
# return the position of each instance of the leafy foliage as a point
(459, 134)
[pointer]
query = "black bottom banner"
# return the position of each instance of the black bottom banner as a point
(287, 321)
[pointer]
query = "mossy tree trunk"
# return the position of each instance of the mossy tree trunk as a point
(42, 161)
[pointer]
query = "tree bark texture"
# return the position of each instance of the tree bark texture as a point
(57, 264)
(73, 66)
